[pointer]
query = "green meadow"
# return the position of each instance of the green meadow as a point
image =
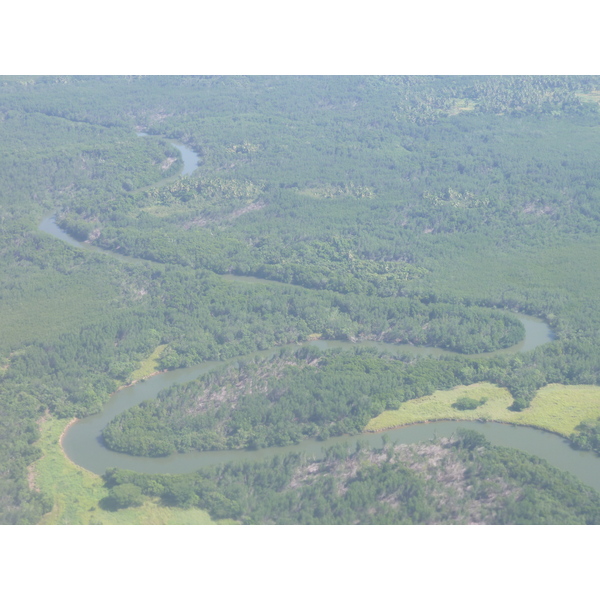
(556, 408)
(148, 366)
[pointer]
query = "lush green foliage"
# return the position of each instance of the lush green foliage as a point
(460, 481)
(588, 436)
(466, 403)
(125, 495)
(405, 209)
(277, 402)
(76, 496)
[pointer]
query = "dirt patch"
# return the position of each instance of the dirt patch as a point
(31, 478)
(167, 163)
(246, 209)
(203, 221)
(197, 222)
(537, 210)
(303, 474)
(235, 383)
(94, 235)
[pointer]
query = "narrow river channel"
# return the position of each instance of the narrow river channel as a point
(82, 442)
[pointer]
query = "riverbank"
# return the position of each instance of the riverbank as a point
(77, 493)
(149, 366)
(135, 381)
(64, 432)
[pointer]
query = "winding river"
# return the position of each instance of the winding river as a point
(82, 442)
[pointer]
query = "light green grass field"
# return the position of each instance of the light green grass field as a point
(76, 492)
(556, 408)
(148, 366)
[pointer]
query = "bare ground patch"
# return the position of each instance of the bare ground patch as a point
(203, 221)
(235, 383)
(450, 485)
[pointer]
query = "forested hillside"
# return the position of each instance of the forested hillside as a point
(406, 210)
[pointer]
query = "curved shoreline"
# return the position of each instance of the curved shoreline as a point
(532, 440)
(430, 421)
(62, 435)
(76, 419)
(383, 430)
(136, 381)
(61, 439)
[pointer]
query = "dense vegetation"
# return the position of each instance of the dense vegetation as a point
(404, 209)
(276, 401)
(279, 400)
(466, 403)
(448, 482)
(588, 436)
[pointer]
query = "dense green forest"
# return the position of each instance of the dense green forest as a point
(398, 209)
(587, 436)
(459, 481)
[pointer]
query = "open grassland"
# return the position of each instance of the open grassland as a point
(438, 406)
(76, 492)
(556, 408)
(149, 366)
(560, 408)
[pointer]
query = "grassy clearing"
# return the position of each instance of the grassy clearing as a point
(560, 408)
(149, 365)
(556, 408)
(76, 492)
